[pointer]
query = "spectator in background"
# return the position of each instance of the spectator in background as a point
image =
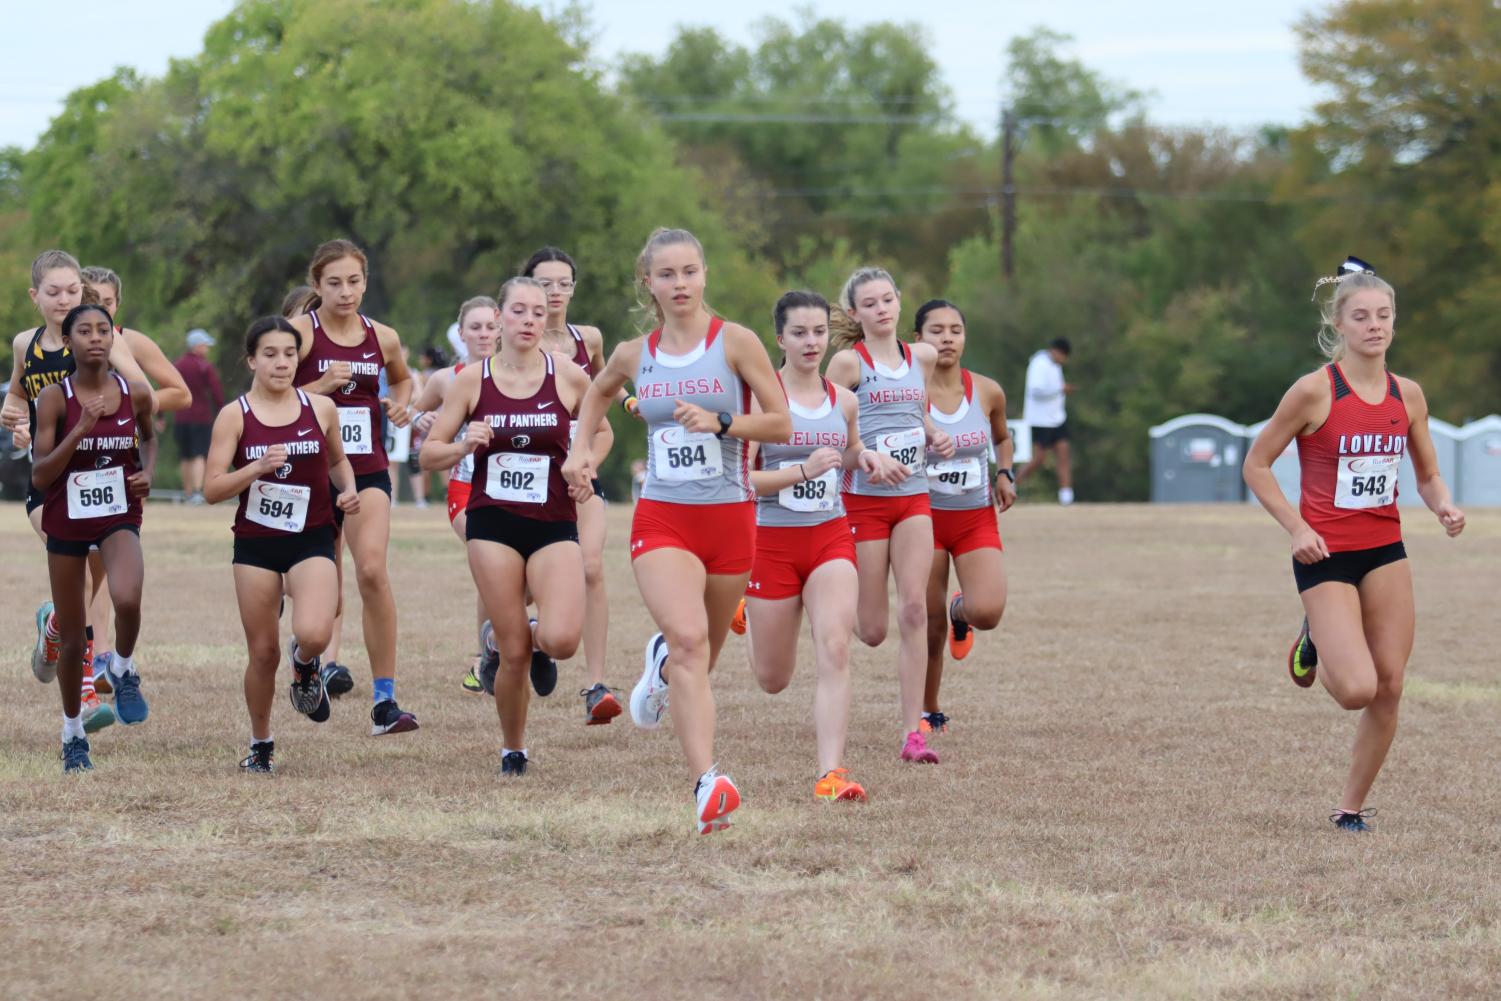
(432, 360)
(460, 353)
(195, 424)
(1044, 409)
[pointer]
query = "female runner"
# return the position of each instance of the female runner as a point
(972, 409)
(804, 553)
(284, 447)
(479, 325)
(891, 522)
(557, 274)
(1353, 421)
(42, 358)
(88, 431)
(170, 393)
(521, 529)
(693, 534)
(342, 354)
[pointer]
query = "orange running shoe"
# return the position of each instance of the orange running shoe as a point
(835, 787)
(737, 624)
(961, 635)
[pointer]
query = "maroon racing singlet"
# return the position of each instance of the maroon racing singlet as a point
(90, 500)
(521, 470)
(581, 352)
(360, 412)
(294, 498)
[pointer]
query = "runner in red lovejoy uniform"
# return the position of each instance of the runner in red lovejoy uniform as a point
(1353, 421)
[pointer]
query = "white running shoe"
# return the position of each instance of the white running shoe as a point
(649, 697)
(716, 798)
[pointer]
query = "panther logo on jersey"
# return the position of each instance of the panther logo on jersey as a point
(101, 462)
(284, 470)
(520, 440)
(349, 387)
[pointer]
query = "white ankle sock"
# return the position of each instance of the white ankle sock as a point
(72, 727)
(121, 665)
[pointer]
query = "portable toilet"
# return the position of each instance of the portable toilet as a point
(1285, 467)
(1479, 482)
(1446, 445)
(1196, 460)
(1021, 442)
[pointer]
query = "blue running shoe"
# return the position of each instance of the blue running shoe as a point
(101, 673)
(130, 704)
(76, 756)
(44, 654)
(1347, 821)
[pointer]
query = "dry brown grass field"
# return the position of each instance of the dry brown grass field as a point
(1132, 802)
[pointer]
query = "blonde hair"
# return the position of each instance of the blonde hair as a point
(660, 237)
(478, 302)
(101, 276)
(511, 284)
(51, 260)
(844, 330)
(1331, 341)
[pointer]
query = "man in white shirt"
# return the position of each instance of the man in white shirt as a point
(1044, 409)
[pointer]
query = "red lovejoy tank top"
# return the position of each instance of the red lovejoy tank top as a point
(521, 470)
(360, 415)
(1349, 468)
(90, 499)
(294, 498)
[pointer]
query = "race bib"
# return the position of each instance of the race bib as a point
(1366, 481)
(282, 506)
(98, 493)
(354, 431)
(906, 447)
(956, 476)
(517, 478)
(817, 494)
(686, 455)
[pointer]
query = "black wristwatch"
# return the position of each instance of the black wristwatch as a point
(725, 420)
(1006, 473)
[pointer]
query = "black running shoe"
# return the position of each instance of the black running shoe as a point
(337, 679)
(1303, 658)
(388, 717)
(76, 756)
(489, 666)
(544, 673)
(259, 761)
(308, 687)
(933, 723)
(513, 763)
(320, 715)
(1347, 821)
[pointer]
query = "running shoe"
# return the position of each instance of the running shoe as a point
(932, 723)
(544, 671)
(388, 717)
(716, 798)
(737, 624)
(130, 704)
(1303, 658)
(101, 673)
(44, 654)
(489, 666)
(1356, 821)
(513, 763)
(259, 760)
(320, 715)
(471, 682)
(600, 705)
(917, 751)
(308, 689)
(961, 636)
(649, 697)
(76, 756)
(337, 679)
(835, 787)
(96, 715)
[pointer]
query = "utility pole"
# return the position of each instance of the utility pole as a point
(1008, 192)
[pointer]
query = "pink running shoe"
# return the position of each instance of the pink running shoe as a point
(916, 750)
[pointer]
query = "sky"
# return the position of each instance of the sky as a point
(1229, 64)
